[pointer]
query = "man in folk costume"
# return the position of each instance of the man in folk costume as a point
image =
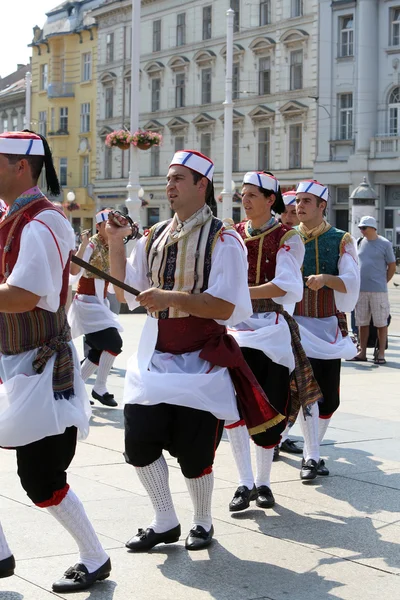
(269, 338)
(178, 390)
(90, 313)
(43, 402)
(331, 287)
(289, 216)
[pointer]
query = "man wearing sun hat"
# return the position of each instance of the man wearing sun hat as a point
(90, 314)
(377, 267)
(331, 286)
(43, 401)
(192, 274)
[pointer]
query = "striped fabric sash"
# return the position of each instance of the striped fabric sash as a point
(47, 332)
(304, 389)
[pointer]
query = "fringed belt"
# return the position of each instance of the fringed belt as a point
(47, 332)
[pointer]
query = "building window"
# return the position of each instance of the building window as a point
(155, 94)
(85, 171)
(265, 12)
(128, 42)
(42, 123)
(207, 22)
(5, 125)
(264, 76)
(235, 151)
(263, 148)
(157, 35)
(179, 142)
(345, 116)
(181, 29)
(53, 120)
(109, 108)
(44, 76)
(155, 161)
(235, 5)
(394, 112)
(205, 144)
(86, 66)
(153, 216)
(180, 90)
(346, 41)
(295, 139)
(63, 172)
(109, 48)
(342, 195)
(296, 70)
(107, 163)
(297, 8)
(14, 124)
(235, 81)
(85, 117)
(64, 119)
(395, 27)
(206, 86)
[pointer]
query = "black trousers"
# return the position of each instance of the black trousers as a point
(107, 339)
(190, 435)
(275, 381)
(327, 374)
(42, 465)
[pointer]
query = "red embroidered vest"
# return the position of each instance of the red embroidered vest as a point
(262, 250)
(10, 238)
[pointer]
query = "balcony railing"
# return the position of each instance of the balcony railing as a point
(61, 90)
(385, 146)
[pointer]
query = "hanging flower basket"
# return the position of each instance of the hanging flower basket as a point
(121, 139)
(72, 206)
(146, 139)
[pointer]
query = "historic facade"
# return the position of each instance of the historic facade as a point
(183, 90)
(359, 109)
(12, 100)
(64, 101)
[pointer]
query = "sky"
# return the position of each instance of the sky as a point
(16, 31)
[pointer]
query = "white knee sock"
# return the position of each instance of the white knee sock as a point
(5, 551)
(154, 479)
(105, 364)
(323, 425)
(264, 458)
(240, 444)
(72, 516)
(309, 427)
(285, 434)
(87, 369)
(200, 490)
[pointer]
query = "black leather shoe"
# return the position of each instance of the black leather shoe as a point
(199, 538)
(265, 498)
(242, 498)
(106, 399)
(146, 539)
(77, 578)
(308, 469)
(7, 567)
(291, 447)
(322, 469)
(276, 453)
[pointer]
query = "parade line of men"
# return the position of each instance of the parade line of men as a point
(245, 330)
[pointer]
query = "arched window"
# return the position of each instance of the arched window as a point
(394, 112)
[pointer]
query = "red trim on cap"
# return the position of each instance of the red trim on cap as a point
(19, 135)
(197, 153)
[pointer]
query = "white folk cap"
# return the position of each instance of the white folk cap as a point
(313, 187)
(21, 142)
(102, 216)
(368, 222)
(194, 160)
(289, 198)
(262, 180)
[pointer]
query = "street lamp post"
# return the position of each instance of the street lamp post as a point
(71, 198)
(133, 202)
(28, 87)
(228, 120)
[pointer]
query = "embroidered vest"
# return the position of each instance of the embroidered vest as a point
(322, 256)
(262, 250)
(100, 258)
(182, 264)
